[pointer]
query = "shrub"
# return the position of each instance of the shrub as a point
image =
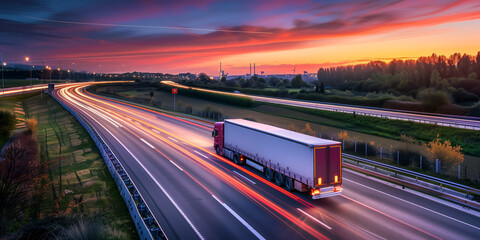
(8, 123)
(449, 155)
(462, 96)
(432, 98)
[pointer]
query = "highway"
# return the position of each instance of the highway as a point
(33, 88)
(429, 118)
(195, 194)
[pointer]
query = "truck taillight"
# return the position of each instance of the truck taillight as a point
(315, 192)
(319, 181)
(337, 188)
(336, 178)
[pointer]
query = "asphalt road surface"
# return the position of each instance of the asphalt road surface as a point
(195, 194)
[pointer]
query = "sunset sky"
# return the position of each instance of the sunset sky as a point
(195, 35)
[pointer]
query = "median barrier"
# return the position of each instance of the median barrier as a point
(145, 222)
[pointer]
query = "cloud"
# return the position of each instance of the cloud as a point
(117, 35)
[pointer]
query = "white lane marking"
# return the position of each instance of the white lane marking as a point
(200, 154)
(244, 177)
(239, 219)
(173, 139)
(150, 145)
(176, 165)
(314, 219)
(155, 131)
(438, 200)
(155, 180)
(416, 205)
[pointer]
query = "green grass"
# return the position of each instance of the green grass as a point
(69, 154)
(19, 82)
(468, 139)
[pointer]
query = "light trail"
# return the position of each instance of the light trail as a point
(242, 187)
(452, 120)
(214, 167)
(135, 115)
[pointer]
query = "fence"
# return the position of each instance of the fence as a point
(145, 222)
(407, 158)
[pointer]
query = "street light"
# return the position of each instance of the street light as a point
(3, 80)
(58, 69)
(27, 59)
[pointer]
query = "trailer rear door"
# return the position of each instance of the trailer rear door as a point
(327, 165)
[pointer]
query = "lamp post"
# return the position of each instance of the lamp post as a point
(58, 69)
(27, 59)
(3, 80)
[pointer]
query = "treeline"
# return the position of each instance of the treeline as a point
(457, 75)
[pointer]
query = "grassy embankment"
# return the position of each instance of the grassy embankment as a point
(75, 181)
(13, 105)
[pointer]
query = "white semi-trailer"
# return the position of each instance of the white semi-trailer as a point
(290, 159)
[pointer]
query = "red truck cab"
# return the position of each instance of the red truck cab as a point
(217, 135)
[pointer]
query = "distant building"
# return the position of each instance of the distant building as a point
(187, 76)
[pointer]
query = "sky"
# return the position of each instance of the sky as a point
(196, 35)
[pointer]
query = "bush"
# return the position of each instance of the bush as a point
(432, 98)
(462, 96)
(450, 156)
(8, 123)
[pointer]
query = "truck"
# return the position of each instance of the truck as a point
(290, 159)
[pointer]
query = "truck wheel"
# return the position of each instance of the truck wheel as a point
(235, 159)
(288, 183)
(268, 174)
(278, 179)
(217, 149)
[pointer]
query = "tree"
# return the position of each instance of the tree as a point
(435, 79)
(322, 88)
(203, 77)
(297, 81)
(449, 156)
(17, 171)
(223, 79)
(261, 83)
(273, 81)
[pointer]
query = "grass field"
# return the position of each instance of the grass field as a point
(75, 179)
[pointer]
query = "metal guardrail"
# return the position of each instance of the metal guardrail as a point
(308, 104)
(359, 112)
(440, 181)
(145, 222)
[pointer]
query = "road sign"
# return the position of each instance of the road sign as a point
(174, 90)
